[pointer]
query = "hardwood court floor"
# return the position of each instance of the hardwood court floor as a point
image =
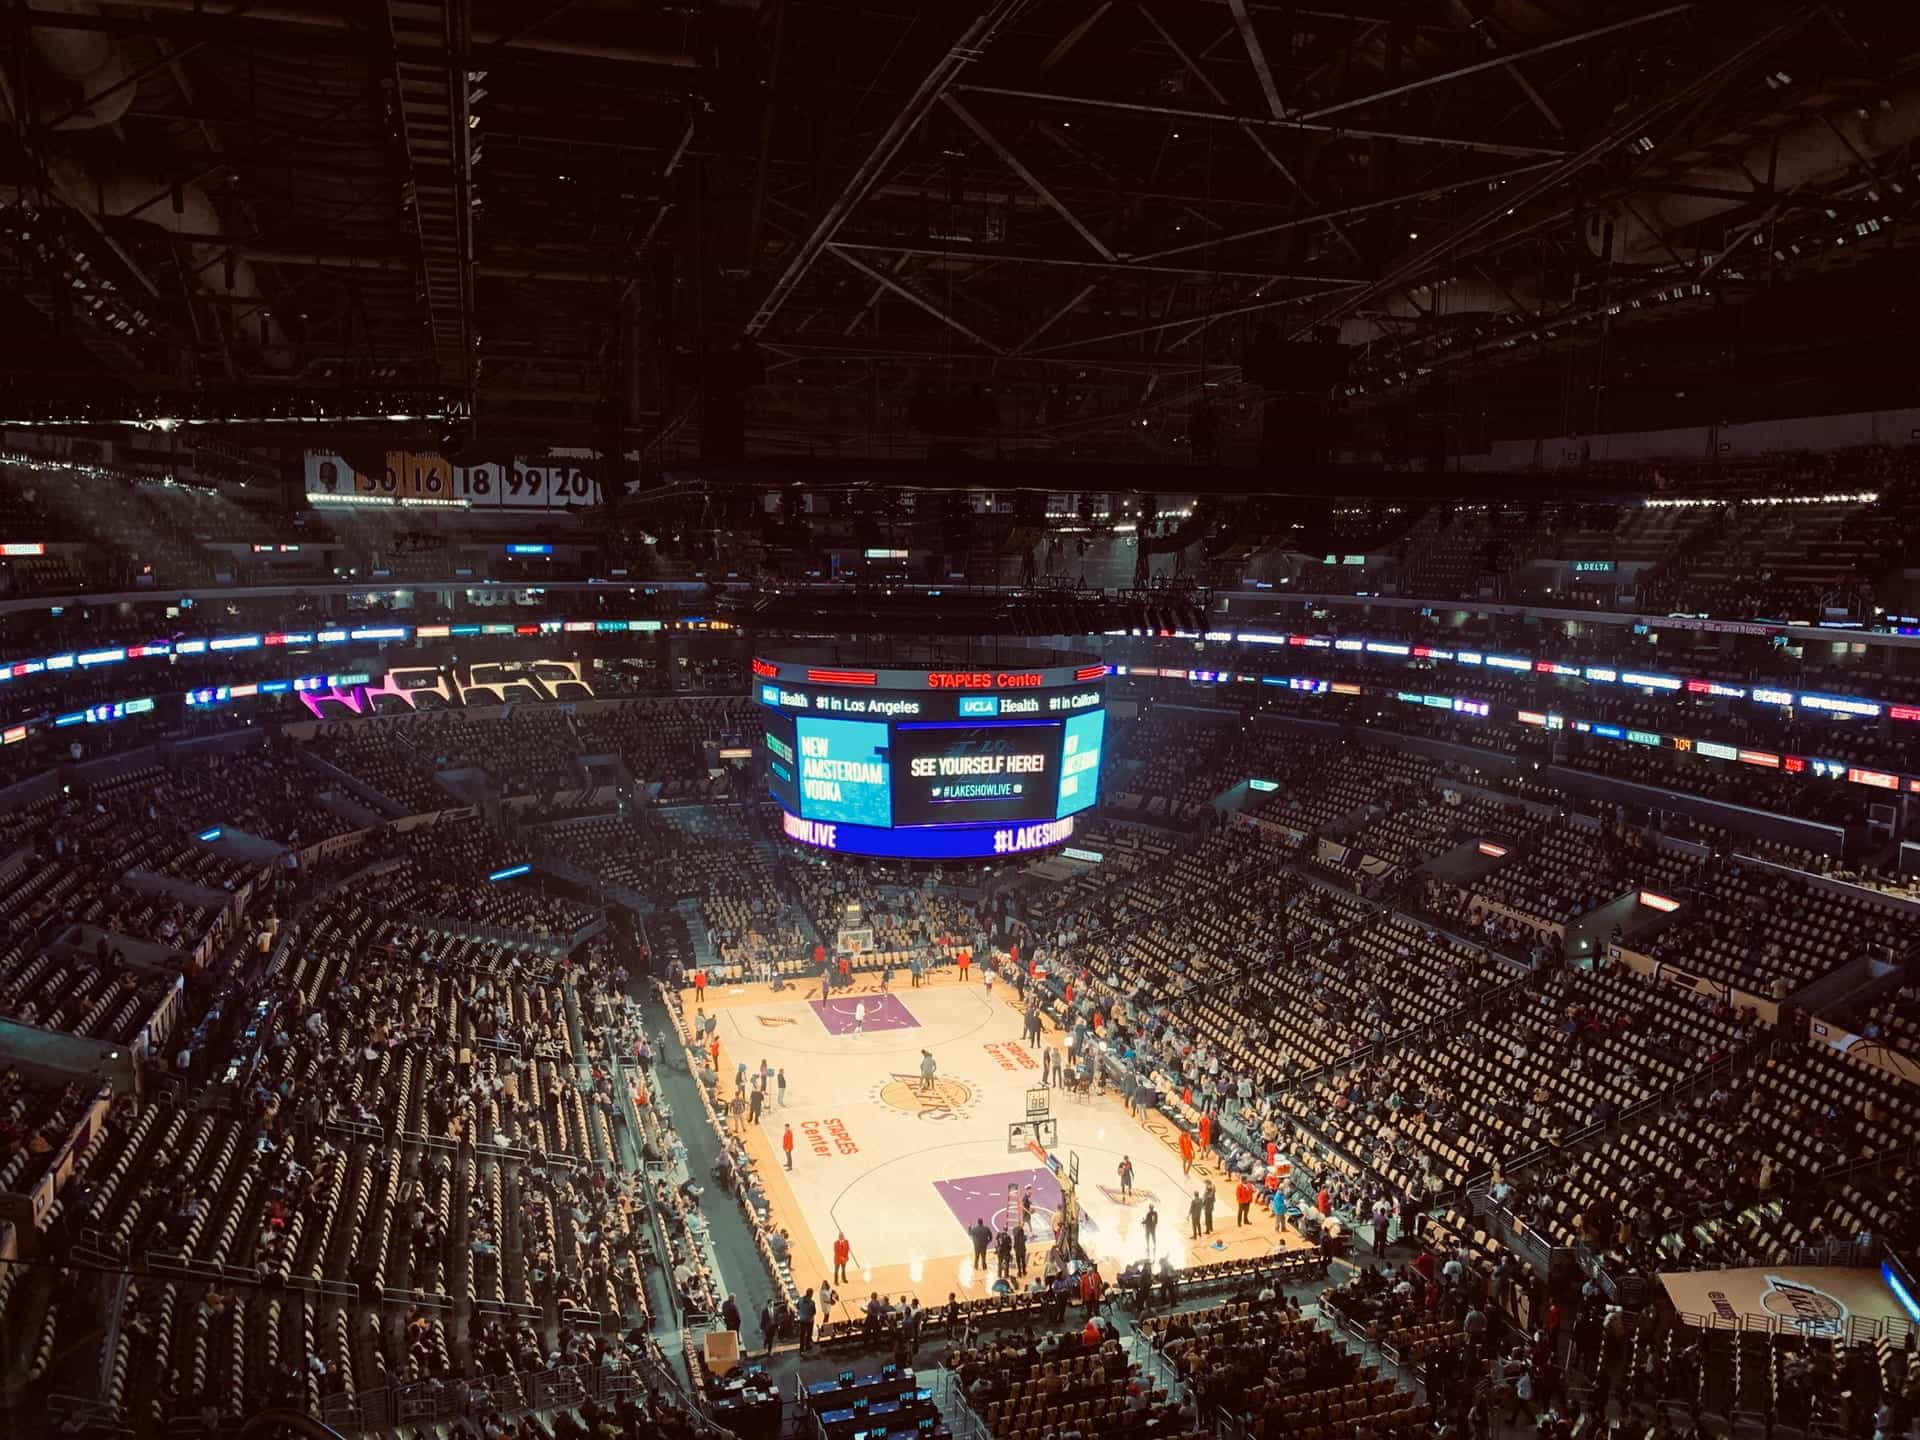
(904, 1170)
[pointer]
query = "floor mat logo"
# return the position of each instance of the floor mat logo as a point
(945, 1099)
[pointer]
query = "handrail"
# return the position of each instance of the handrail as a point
(1895, 1328)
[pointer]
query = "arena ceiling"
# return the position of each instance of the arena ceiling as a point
(883, 229)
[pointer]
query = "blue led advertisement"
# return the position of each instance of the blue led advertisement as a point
(1080, 762)
(781, 758)
(844, 772)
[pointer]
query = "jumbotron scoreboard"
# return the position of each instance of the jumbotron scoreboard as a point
(932, 763)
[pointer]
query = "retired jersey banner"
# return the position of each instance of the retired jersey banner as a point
(1820, 1301)
(413, 478)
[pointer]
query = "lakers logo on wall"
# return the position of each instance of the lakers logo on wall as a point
(945, 1099)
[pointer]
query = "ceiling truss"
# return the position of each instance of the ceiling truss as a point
(590, 217)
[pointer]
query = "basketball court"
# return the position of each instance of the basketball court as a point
(903, 1168)
(1819, 1301)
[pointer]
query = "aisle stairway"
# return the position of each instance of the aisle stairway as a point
(742, 1271)
(696, 923)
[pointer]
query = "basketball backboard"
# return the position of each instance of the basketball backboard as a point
(1023, 1135)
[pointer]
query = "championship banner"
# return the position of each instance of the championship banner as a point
(1822, 1302)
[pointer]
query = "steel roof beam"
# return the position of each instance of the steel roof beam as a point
(1073, 37)
(1258, 140)
(85, 104)
(42, 175)
(1385, 202)
(897, 347)
(1056, 316)
(1460, 72)
(433, 115)
(1343, 16)
(326, 19)
(873, 299)
(499, 269)
(1484, 24)
(1033, 182)
(1453, 243)
(1252, 308)
(1306, 127)
(881, 278)
(1243, 22)
(1123, 262)
(965, 49)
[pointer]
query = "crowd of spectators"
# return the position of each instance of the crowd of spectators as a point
(529, 751)
(1734, 552)
(1722, 1180)
(1568, 869)
(35, 1117)
(1078, 1377)
(392, 758)
(444, 872)
(1770, 931)
(660, 740)
(429, 1116)
(385, 1125)
(96, 932)
(263, 790)
(903, 912)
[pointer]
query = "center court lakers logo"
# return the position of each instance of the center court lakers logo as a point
(1808, 1309)
(945, 1099)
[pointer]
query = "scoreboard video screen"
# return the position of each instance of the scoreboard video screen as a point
(931, 764)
